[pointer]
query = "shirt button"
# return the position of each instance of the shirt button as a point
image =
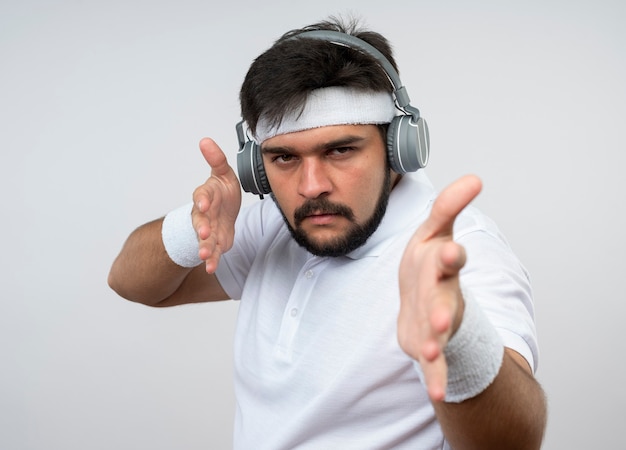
(308, 274)
(294, 312)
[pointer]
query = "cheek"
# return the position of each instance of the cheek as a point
(286, 205)
(367, 190)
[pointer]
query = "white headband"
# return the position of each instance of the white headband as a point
(334, 105)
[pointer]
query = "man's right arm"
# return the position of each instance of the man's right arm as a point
(143, 272)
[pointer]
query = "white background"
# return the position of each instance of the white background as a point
(101, 108)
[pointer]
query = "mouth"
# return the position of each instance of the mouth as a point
(321, 218)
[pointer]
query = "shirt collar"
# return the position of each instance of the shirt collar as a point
(409, 199)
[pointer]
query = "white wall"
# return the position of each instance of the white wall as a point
(101, 108)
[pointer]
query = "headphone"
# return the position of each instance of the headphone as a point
(408, 141)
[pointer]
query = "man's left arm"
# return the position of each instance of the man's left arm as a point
(510, 413)
(484, 394)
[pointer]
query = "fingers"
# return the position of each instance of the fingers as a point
(215, 157)
(206, 216)
(210, 249)
(448, 205)
(451, 258)
(436, 377)
(426, 345)
(431, 301)
(431, 307)
(212, 260)
(436, 334)
(223, 178)
(216, 206)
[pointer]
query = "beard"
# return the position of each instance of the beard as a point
(355, 235)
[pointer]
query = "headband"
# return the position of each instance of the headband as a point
(335, 105)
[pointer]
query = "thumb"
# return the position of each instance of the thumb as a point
(450, 202)
(214, 156)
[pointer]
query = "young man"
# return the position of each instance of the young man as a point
(372, 315)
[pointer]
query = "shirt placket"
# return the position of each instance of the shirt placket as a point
(295, 307)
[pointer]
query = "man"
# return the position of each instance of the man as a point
(371, 315)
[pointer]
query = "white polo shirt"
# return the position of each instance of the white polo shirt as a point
(317, 362)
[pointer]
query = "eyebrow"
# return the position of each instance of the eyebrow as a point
(341, 142)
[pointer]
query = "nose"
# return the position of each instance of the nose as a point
(314, 181)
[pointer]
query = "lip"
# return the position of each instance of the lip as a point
(321, 219)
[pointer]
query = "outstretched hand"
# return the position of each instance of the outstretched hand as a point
(431, 303)
(216, 206)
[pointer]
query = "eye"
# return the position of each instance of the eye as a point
(339, 151)
(283, 158)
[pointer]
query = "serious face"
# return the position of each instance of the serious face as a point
(331, 184)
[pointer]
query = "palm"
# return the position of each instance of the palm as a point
(431, 301)
(216, 206)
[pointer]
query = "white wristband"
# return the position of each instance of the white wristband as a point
(180, 238)
(473, 355)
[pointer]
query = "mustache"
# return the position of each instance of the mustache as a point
(321, 206)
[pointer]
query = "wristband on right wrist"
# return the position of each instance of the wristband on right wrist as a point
(179, 237)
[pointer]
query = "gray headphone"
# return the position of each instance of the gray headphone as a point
(408, 141)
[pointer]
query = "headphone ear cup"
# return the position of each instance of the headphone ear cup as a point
(408, 144)
(251, 171)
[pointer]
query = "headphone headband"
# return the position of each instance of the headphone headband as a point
(335, 37)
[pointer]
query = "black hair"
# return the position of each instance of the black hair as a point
(280, 79)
